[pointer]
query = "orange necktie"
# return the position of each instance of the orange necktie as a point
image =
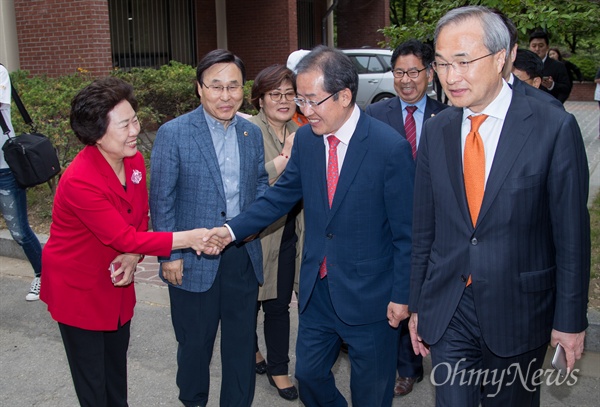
(474, 169)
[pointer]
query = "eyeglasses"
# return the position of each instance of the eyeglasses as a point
(411, 73)
(460, 67)
(218, 89)
(277, 96)
(303, 102)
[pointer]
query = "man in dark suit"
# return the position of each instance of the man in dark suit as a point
(513, 81)
(207, 166)
(501, 234)
(355, 175)
(411, 62)
(556, 78)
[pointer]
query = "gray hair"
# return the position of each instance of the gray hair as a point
(495, 33)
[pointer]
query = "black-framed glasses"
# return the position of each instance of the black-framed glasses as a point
(460, 67)
(278, 96)
(411, 73)
(301, 102)
(218, 89)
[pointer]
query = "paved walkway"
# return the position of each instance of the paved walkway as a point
(34, 370)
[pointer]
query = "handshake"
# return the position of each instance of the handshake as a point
(209, 241)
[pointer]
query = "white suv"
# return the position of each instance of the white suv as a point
(375, 78)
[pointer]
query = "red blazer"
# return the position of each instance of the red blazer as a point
(93, 220)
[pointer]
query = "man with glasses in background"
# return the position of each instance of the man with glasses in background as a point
(206, 167)
(411, 62)
(356, 177)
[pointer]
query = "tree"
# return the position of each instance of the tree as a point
(574, 23)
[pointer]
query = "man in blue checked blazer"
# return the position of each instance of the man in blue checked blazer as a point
(207, 166)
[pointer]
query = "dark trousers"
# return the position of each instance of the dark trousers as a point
(98, 363)
(466, 373)
(372, 350)
(277, 310)
(231, 301)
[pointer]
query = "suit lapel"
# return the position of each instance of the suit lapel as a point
(245, 162)
(106, 171)
(452, 147)
(204, 141)
(394, 116)
(431, 109)
(514, 134)
(352, 161)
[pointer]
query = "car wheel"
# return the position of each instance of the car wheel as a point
(382, 96)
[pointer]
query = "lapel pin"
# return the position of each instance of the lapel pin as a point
(245, 133)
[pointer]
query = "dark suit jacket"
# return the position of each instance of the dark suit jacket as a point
(529, 253)
(562, 84)
(526, 89)
(390, 111)
(94, 219)
(366, 233)
(187, 191)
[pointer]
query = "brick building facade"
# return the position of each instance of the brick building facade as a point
(56, 37)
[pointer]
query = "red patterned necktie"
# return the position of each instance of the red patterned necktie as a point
(332, 179)
(410, 127)
(474, 169)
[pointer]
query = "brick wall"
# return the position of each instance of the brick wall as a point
(206, 27)
(582, 92)
(358, 22)
(263, 34)
(56, 37)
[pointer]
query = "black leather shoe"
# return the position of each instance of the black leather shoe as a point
(289, 393)
(261, 367)
(404, 385)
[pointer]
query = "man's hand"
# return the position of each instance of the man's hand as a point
(172, 271)
(419, 347)
(221, 233)
(202, 242)
(396, 313)
(572, 343)
(548, 82)
(129, 263)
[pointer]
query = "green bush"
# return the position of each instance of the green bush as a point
(48, 101)
(162, 94)
(587, 65)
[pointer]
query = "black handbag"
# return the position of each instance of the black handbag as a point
(31, 156)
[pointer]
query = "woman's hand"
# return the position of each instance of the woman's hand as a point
(129, 263)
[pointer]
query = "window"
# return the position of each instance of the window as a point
(367, 64)
(150, 33)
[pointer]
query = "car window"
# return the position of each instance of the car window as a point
(388, 61)
(367, 64)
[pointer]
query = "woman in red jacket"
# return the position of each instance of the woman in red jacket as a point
(99, 219)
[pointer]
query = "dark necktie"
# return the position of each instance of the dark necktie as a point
(332, 180)
(410, 127)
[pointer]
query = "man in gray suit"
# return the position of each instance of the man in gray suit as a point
(411, 62)
(207, 166)
(501, 230)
